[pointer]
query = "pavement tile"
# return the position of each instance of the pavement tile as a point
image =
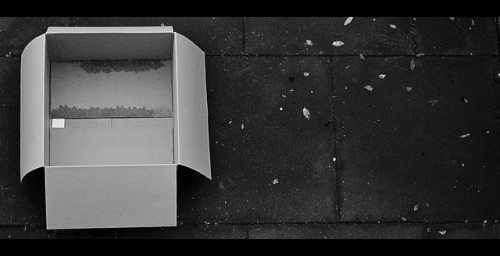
(180, 232)
(460, 36)
(401, 157)
(214, 35)
(364, 35)
(488, 230)
(17, 32)
(337, 231)
(10, 81)
(268, 165)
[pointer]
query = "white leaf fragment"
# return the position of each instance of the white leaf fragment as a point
(415, 207)
(306, 74)
(275, 181)
(409, 89)
(363, 57)
(404, 219)
(442, 232)
(368, 88)
(306, 113)
(464, 136)
(433, 102)
(452, 18)
(242, 126)
(381, 76)
(348, 20)
(392, 26)
(338, 43)
(412, 64)
(309, 42)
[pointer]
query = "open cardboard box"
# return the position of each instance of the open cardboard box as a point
(110, 113)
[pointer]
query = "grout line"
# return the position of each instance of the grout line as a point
(349, 55)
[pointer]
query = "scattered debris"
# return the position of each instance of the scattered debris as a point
(309, 42)
(369, 88)
(348, 20)
(242, 126)
(415, 207)
(393, 26)
(409, 89)
(306, 113)
(381, 76)
(275, 181)
(442, 232)
(433, 102)
(412, 64)
(464, 136)
(338, 43)
(306, 74)
(9, 54)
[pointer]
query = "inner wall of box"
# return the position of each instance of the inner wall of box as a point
(111, 99)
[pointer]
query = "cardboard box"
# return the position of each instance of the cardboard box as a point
(110, 113)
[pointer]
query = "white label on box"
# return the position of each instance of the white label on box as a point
(58, 123)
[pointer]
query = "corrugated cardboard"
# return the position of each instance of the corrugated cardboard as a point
(110, 172)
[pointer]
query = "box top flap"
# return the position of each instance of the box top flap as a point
(90, 30)
(193, 148)
(33, 102)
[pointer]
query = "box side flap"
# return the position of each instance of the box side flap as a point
(145, 29)
(34, 105)
(111, 196)
(192, 111)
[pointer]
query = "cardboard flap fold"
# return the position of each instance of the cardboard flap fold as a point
(34, 107)
(192, 111)
(107, 30)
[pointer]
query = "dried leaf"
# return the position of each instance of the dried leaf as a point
(242, 126)
(393, 26)
(348, 20)
(306, 74)
(415, 207)
(381, 76)
(306, 113)
(368, 88)
(338, 43)
(409, 89)
(363, 57)
(442, 232)
(412, 64)
(464, 136)
(275, 181)
(309, 42)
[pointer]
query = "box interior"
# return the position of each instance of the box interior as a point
(110, 99)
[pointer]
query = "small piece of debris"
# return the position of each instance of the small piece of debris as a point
(163, 25)
(306, 74)
(281, 109)
(275, 181)
(306, 113)
(404, 219)
(368, 88)
(412, 64)
(242, 126)
(393, 26)
(309, 42)
(415, 207)
(420, 54)
(484, 223)
(363, 57)
(433, 102)
(334, 159)
(442, 232)
(452, 18)
(9, 54)
(409, 89)
(283, 95)
(338, 43)
(464, 136)
(472, 22)
(381, 76)
(348, 20)
(464, 99)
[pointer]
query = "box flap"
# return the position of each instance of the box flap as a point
(192, 111)
(90, 30)
(111, 196)
(34, 106)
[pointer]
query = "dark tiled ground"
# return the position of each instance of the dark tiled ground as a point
(386, 163)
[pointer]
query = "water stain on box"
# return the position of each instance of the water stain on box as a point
(111, 89)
